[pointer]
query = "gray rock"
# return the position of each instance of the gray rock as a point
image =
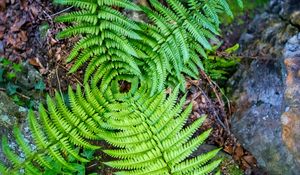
(288, 7)
(290, 119)
(1, 47)
(295, 18)
(292, 47)
(12, 115)
(271, 31)
(267, 91)
(256, 123)
(275, 6)
(28, 77)
(246, 38)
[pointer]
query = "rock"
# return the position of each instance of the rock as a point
(292, 48)
(1, 47)
(267, 90)
(29, 76)
(10, 116)
(291, 117)
(268, 32)
(10, 113)
(295, 18)
(288, 7)
(271, 31)
(246, 38)
(256, 123)
(275, 6)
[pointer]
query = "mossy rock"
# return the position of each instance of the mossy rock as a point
(10, 113)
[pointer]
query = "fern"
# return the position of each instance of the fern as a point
(179, 28)
(146, 128)
(158, 54)
(60, 132)
(152, 138)
(134, 120)
(106, 47)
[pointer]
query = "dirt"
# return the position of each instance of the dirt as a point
(27, 33)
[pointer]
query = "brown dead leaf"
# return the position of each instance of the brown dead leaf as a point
(53, 41)
(24, 4)
(18, 24)
(195, 105)
(143, 3)
(10, 40)
(220, 140)
(35, 62)
(2, 5)
(239, 151)
(249, 159)
(245, 164)
(190, 83)
(168, 91)
(228, 149)
(23, 36)
(2, 29)
(58, 54)
(34, 10)
(68, 66)
(43, 71)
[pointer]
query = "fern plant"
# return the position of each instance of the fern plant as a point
(146, 127)
(61, 131)
(220, 66)
(157, 54)
(152, 139)
(183, 33)
(105, 42)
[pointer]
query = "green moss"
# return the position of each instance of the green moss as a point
(230, 167)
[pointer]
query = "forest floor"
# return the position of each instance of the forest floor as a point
(27, 33)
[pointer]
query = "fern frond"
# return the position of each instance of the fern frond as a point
(149, 143)
(90, 5)
(106, 46)
(240, 3)
(119, 3)
(81, 16)
(63, 131)
(80, 29)
(115, 16)
(194, 163)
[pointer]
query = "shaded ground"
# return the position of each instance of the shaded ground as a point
(27, 33)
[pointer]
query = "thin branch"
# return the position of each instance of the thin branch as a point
(65, 10)
(219, 100)
(18, 93)
(73, 75)
(58, 81)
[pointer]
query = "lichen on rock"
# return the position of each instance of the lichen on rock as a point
(12, 115)
(267, 95)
